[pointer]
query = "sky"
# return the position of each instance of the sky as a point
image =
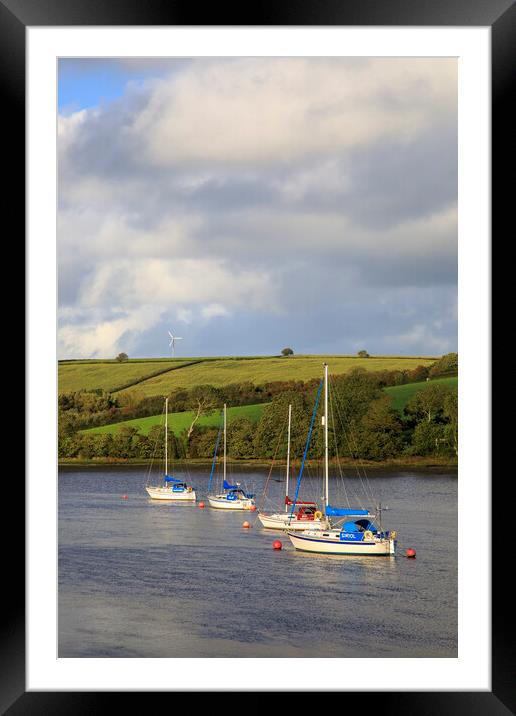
(250, 204)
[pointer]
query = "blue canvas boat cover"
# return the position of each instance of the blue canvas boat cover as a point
(343, 511)
(227, 486)
(350, 527)
(171, 479)
(359, 526)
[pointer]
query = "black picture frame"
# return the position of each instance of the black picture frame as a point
(15, 17)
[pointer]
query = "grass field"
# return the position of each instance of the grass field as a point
(179, 421)
(267, 370)
(189, 372)
(108, 375)
(401, 394)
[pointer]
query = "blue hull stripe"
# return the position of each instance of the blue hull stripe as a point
(331, 541)
(223, 499)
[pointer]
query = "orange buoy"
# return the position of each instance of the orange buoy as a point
(124, 497)
(277, 544)
(246, 525)
(201, 505)
(252, 508)
(410, 552)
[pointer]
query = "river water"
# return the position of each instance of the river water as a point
(139, 578)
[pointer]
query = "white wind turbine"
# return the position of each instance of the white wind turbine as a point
(172, 343)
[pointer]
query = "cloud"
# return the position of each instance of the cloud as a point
(161, 282)
(214, 309)
(286, 193)
(96, 335)
(263, 110)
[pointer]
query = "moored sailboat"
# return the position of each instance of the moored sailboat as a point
(172, 488)
(351, 531)
(231, 497)
(307, 515)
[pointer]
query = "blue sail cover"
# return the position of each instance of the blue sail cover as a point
(171, 479)
(227, 486)
(343, 511)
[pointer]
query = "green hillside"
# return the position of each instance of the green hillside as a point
(401, 394)
(110, 375)
(163, 377)
(179, 421)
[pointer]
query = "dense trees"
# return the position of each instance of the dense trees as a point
(447, 365)
(241, 439)
(271, 431)
(83, 409)
(433, 415)
(379, 434)
(130, 400)
(87, 409)
(427, 405)
(451, 415)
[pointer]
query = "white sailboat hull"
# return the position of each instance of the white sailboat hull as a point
(282, 521)
(319, 543)
(166, 493)
(220, 502)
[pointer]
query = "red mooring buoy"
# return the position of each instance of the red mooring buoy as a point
(124, 497)
(276, 544)
(246, 525)
(410, 552)
(201, 505)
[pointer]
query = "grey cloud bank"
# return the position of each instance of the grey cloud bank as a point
(252, 203)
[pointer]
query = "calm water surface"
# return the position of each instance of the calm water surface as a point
(139, 578)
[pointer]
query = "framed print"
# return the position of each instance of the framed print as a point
(115, 101)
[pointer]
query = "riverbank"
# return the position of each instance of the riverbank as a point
(401, 462)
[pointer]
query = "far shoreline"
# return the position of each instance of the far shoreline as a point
(401, 463)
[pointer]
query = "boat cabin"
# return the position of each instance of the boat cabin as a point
(303, 510)
(238, 494)
(306, 513)
(176, 485)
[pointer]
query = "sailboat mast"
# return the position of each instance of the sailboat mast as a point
(166, 436)
(224, 441)
(288, 452)
(326, 434)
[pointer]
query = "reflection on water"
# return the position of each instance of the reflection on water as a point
(166, 504)
(139, 577)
